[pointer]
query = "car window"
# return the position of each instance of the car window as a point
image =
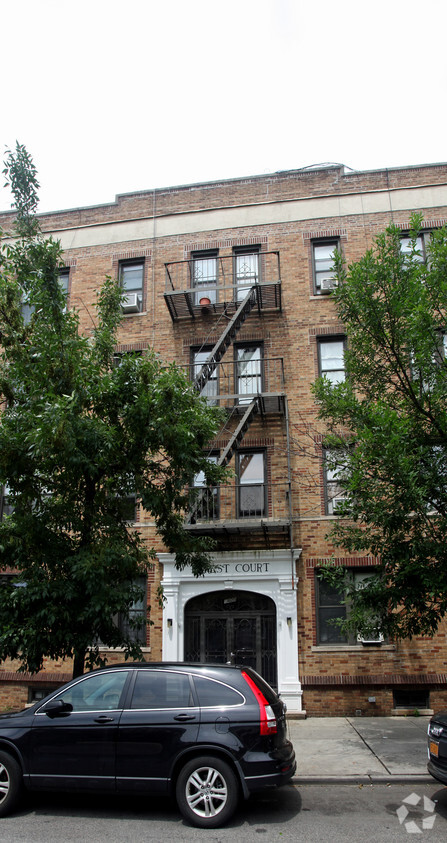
(161, 689)
(212, 693)
(97, 692)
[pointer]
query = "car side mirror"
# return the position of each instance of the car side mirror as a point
(55, 707)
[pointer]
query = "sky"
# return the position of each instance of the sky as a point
(112, 97)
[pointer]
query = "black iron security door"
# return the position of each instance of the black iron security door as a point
(236, 627)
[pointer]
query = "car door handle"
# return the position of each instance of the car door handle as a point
(104, 719)
(185, 717)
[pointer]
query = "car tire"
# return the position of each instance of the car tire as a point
(207, 792)
(10, 783)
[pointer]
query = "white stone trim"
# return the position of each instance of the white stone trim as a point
(191, 223)
(268, 572)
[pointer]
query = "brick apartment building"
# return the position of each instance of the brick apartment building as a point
(242, 268)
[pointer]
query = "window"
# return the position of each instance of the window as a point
(204, 275)
(252, 489)
(119, 357)
(248, 372)
(206, 505)
(131, 275)
(331, 359)
(331, 607)
(414, 698)
(161, 689)
(26, 308)
(246, 271)
(37, 694)
(133, 625)
(216, 694)
(64, 277)
(210, 390)
(323, 266)
(333, 465)
(95, 693)
(128, 508)
(6, 506)
(406, 246)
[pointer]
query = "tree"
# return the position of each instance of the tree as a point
(79, 435)
(387, 431)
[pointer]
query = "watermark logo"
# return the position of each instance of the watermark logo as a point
(425, 813)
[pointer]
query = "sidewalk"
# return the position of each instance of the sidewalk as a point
(360, 749)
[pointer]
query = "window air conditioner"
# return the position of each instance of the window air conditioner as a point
(374, 638)
(328, 284)
(132, 303)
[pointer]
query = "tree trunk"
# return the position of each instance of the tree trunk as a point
(78, 664)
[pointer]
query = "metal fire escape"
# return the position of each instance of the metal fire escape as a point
(228, 510)
(209, 366)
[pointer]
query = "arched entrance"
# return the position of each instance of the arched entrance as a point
(232, 626)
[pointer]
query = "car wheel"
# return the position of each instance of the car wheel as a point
(10, 783)
(207, 792)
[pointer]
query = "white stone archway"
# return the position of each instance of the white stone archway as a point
(264, 572)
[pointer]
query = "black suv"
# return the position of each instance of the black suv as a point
(206, 733)
(437, 747)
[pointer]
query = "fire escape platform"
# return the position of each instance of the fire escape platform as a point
(184, 304)
(268, 403)
(241, 526)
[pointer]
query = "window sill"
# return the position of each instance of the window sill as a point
(132, 315)
(352, 648)
(410, 712)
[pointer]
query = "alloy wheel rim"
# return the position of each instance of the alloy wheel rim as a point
(206, 792)
(4, 782)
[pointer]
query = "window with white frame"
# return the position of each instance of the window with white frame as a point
(323, 265)
(210, 390)
(420, 246)
(26, 308)
(246, 270)
(331, 362)
(333, 606)
(252, 486)
(64, 278)
(206, 503)
(334, 465)
(204, 275)
(6, 506)
(249, 372)
(131, 275)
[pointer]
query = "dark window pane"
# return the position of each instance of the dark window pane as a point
(161, 689)
(96, 693)
(330, 632)
(215, 693)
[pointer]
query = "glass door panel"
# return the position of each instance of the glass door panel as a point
(247, 273)
(248, 372)
(251, 484)
(205, 278)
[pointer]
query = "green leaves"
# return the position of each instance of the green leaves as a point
(393, 409)
(78, 436)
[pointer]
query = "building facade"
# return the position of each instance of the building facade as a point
(232, 280)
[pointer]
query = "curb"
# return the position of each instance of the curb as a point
(400, 778)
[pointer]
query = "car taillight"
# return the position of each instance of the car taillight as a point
(268, 719)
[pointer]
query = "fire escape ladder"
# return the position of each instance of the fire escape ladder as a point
(239, 433)
(226, 338)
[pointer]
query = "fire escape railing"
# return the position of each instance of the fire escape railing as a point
(222, 288)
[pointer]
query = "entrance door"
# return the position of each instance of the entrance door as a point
(233, 627)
